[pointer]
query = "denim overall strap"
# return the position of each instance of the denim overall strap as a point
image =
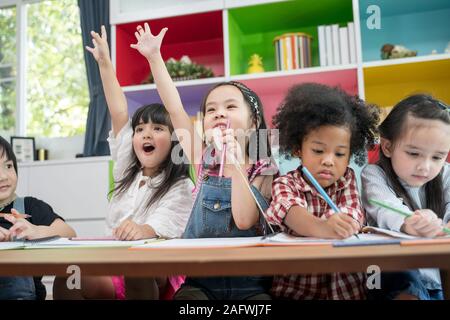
(19, 204)
(17, 288)
(211, 217)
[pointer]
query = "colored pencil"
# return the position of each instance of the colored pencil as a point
(396, 210)
(323, 193)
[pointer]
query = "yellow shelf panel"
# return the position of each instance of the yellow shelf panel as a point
(387, 85)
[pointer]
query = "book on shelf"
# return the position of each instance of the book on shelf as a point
(335, 41)
(351, 42)
(322, 46)
(329, 46)
(336, 44)
(343, 45)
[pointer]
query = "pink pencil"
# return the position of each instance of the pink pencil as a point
(224, 150)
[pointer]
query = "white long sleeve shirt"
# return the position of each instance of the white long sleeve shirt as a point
(375, 186)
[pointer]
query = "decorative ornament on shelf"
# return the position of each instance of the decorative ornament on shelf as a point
(184, 69)
(391, 51)
(255, 64)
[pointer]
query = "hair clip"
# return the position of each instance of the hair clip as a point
(254, 103)
(443, 106)
(249, 93)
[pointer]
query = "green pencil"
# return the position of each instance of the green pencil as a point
(403, 213)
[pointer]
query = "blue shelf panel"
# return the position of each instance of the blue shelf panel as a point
(422, 26)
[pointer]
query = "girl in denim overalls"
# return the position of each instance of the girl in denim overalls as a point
(224, 206)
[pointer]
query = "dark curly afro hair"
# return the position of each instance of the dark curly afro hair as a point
(309, 106)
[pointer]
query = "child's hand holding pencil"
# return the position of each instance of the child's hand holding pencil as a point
(422, 223)
(21, 228)
(340, 224)
(343, 226)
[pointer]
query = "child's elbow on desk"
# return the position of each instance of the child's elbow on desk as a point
(244, 223)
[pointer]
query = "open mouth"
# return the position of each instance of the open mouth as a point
(221, 126)
(148, 148)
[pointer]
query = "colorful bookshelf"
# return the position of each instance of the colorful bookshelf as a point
(224, 34)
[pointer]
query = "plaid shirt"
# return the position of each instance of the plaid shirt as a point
(292, 190)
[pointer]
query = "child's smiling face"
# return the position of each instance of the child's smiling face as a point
(8, 179)
(325, 151)
(227, 102)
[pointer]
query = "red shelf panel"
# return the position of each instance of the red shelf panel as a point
(187, 35)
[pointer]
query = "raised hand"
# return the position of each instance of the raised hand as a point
(101, 49)
(147, 44)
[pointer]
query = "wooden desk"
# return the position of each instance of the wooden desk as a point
(227, 261)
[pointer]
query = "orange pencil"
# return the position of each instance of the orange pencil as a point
(16, 215)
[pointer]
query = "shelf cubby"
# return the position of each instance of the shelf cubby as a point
(252, 29)
(187, 35)
(387, 85)
(422, 26)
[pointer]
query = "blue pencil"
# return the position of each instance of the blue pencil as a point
(320, 189)
(322, 192)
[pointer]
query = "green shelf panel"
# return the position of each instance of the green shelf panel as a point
(252, 29)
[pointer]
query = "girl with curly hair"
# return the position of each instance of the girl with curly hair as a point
(323, 127)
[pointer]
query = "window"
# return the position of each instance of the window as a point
(7, 70)
(55, 96)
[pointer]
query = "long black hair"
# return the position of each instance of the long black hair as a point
(257, 115)
(419, 106)
(157, 114)
(6, 150)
